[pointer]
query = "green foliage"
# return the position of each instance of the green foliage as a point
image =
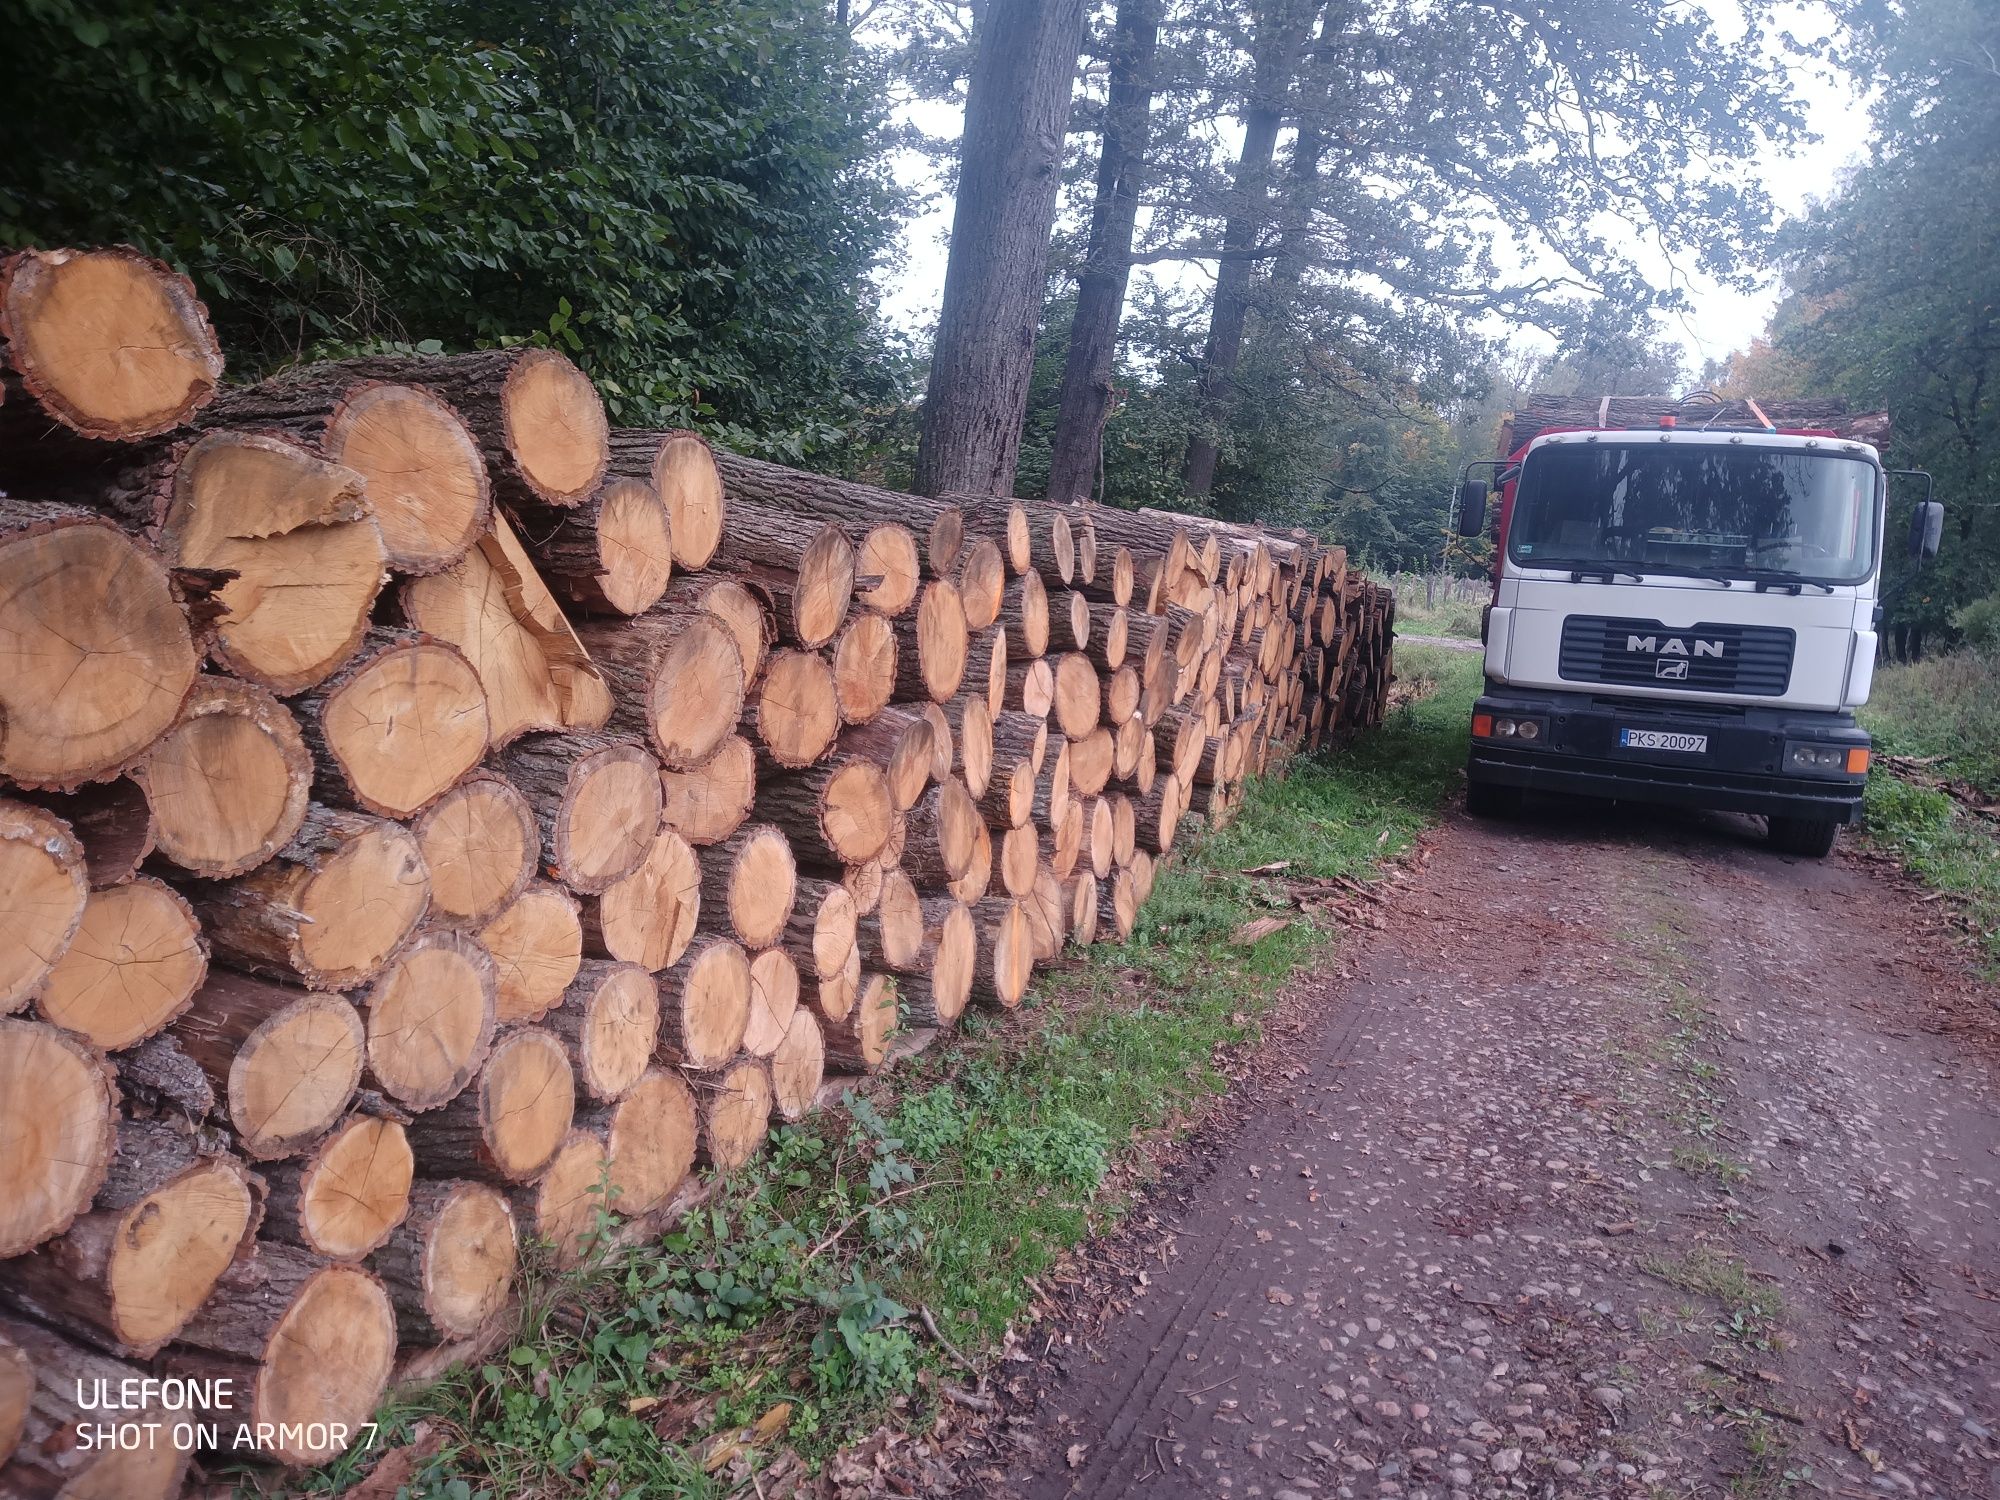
(1895, 286)
(687, 196)
(1979, 625)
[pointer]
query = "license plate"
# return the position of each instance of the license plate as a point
(1659, 739)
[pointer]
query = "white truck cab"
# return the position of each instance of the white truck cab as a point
(1686, 617)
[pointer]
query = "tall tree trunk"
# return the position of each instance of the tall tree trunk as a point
(1016, 112)
(1085, 401)
(1282, 28)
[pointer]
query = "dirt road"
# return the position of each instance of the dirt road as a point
(1627, 1159)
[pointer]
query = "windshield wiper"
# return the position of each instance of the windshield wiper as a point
(1608, 575)
(1776, 582)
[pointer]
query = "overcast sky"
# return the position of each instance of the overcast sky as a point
(1721, 319)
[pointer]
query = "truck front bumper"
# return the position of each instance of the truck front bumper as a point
(1579, 748)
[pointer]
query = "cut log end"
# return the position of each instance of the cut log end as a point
(135, 963)
(111, 343)
(864, 668)
(888, 569)
(431, 1019)
(648, 917)
(325, 1366)
(705, 1004)
(774, 1000)
(426, 479)
(685, 476)
(44, 892)
(709, 803)
(58, 1116)
(353, 1191)
(798, 1064)
(651, 1135)
(736, 1116)
(556, 429)
(293, 1075)
(561, 1207)
(450, 1264)
(537, 945)
(99, 653)
(297, 533)
(480, 844)
(228, 783)
(402, 727)
(795, 711)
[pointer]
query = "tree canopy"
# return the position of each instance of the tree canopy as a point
(690, 198)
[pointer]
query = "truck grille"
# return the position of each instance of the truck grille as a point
(1754, 659)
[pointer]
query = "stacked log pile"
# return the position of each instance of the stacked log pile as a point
(421, 803)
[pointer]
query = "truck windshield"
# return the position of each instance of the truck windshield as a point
(1730, 512)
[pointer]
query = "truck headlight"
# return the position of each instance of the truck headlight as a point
(1808, 759)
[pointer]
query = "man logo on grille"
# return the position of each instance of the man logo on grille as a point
(1672, 670)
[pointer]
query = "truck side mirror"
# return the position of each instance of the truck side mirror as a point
(1472, 507)
(1926, 530)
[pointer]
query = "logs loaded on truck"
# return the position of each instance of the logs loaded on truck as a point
(422, 803)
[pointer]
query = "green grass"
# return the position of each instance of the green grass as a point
(1454, 617)
(797, 1296)
(1945, 711)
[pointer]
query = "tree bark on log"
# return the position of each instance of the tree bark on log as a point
(612, 555)
(285, 1062)
(840, 812)
(859, 1041)
(44, 891)
(50, 1460)
(940, 524)
(676, 677)
(300, 917)
(748, 880)
(449, 1266)
(802, 567)
(112, 823)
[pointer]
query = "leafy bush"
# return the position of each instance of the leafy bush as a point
(1979, 623)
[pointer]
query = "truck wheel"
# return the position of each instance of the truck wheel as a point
(1809, 838)
(1483, 799)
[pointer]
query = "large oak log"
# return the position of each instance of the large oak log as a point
(931, 645)
(170, 1218)
(972, 885)
(986, 668)
(802, 567)
(344, 1197)
(682, 471)
(102, 346)
(506, 1127)
(774, 999)
(864, 667)
(648, 917)
(494, 607)
(736, 1114)
(43, 895)
(610, 1022)
(1080, 892)
(329, 910)
(982, 581)
(747, 882)
(794, 711)
(798, 1065)
(285, 1062)
(678, 679)
(859, 1041)
(427, 484)
(308, 1344)
(295, 530)
(536, 416)
(431, 1016)
(398, 725)
(58, 1115)
(596, 801)
(96, 652)
(480, 844)
(738, 610)
(1024, 615)
(53, 1411)
(709, 803)
(705, 1004)
(940, 834)
(901, 741)
(537, 944)
(1006, 952)
(822, 931)
(888, 568)
(859, 507)
(134, 964)
(228, 783)
(840, 812)
(892, 935)
(935, 985)
(650, 1135)
(1117, 904)
(612, 554)
(560, 1207)
(449, 1265)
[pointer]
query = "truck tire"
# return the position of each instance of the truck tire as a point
(1809, 838)
(1484, 799)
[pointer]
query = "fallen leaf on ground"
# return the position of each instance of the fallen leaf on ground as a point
(1257, 930)
(1075, 1455)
